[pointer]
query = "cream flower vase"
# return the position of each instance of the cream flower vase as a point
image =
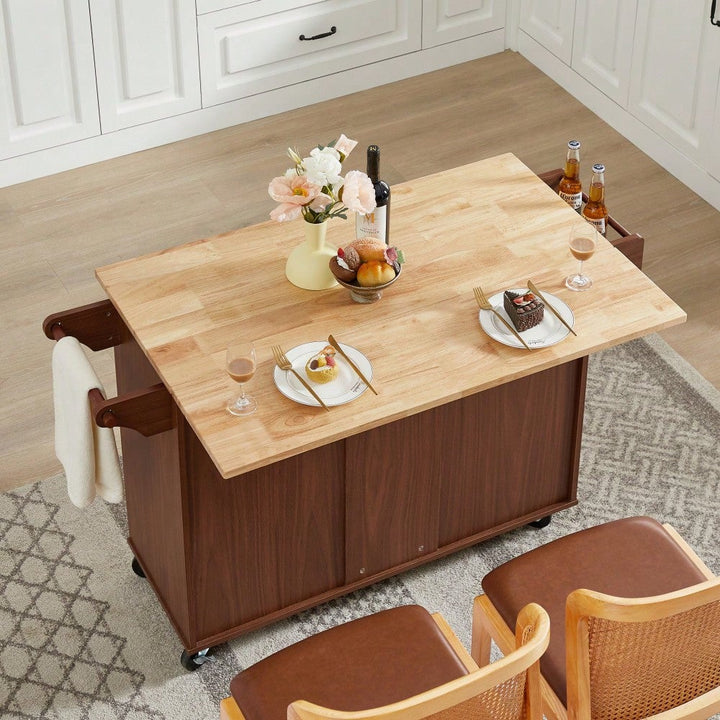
(308, 265)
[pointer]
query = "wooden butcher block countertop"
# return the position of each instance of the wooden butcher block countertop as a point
(492, 223)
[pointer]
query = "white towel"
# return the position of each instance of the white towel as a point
(87, 452)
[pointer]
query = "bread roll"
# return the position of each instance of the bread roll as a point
(374, 273)
(369, 249)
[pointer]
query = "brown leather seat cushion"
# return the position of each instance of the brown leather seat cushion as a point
(632, 557)
(365, 663)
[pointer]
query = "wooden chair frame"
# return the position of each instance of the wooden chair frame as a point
(532, 637)
(488, 625)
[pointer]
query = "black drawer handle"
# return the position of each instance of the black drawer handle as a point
(333, 30)
(712, 14)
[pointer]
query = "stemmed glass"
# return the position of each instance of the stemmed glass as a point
(240, 365)
(582, 242)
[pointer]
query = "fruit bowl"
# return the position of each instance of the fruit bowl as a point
(362, 294)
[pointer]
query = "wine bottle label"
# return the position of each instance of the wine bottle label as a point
(574, 200)
(372, 224)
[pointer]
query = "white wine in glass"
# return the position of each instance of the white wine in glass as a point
(240, 364)
(582, 242)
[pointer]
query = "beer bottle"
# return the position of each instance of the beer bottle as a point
(595, 211)
(570, 188)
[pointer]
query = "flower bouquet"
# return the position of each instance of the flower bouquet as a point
(315, 189)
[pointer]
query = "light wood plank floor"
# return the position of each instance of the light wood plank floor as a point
(55, 231)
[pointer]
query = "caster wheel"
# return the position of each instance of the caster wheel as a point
(193, 661)
(137, 569)
(542, 522)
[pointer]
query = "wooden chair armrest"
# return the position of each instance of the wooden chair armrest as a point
(229, 709)
(675, 535)
(456, 645)
(487, 620)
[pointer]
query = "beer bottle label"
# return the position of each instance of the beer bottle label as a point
(574, 200)
(599, 223)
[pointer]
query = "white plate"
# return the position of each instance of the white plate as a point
(549, 332)
(345, 387)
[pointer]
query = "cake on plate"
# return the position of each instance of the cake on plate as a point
(524, 309)
(322, 367)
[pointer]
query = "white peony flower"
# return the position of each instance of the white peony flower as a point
(323, 167)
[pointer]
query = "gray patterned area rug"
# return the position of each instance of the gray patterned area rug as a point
(82, 637)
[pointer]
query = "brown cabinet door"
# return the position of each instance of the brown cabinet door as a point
(511, 451)
(392, 486)
(473, 467)
(264, 540)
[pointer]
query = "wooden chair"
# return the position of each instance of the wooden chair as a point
(399, 664)
(643, 643)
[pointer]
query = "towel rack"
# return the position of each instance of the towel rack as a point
(629, 244)
(99, 326)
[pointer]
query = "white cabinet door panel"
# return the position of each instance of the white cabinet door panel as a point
(674, 74)
(550, 23)
(449, 20)
(47, 76)
(244, 54)
(603, 45)
(146, 59)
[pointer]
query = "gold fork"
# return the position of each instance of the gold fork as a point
(284, 364)
(484, 304)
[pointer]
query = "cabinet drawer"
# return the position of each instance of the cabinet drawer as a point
(245, 50)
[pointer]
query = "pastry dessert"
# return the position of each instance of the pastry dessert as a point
(525, 310)
(322, 368)
(375, 272)
(366, 262)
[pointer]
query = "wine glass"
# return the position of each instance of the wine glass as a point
(582, 242)
(240, 365)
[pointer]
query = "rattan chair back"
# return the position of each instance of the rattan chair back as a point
(629, 659)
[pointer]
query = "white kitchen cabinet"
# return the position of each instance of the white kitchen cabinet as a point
(603, 45)
(246, 51)
(47, 75)
(673, 85)
(449, 20)
(146, 60)
(550, 23)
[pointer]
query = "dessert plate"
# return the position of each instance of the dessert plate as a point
(345, 387)
(549, 332)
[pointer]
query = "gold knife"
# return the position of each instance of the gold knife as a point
(532, 288)
(336, 345)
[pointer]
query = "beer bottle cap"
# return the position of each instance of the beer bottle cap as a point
(574, 144)
(598, 168)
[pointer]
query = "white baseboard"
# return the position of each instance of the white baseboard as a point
(659, 149)
(142, 137)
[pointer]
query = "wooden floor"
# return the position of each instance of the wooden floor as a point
(54, 231)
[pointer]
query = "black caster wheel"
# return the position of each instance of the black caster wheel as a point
(193, 661)
(542, 522)
(137, 569)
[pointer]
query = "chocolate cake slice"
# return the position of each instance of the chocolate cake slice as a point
(525, 310)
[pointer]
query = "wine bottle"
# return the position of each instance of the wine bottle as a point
(377, 223)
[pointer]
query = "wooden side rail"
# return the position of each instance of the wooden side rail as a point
(98, 326)
(629, 244)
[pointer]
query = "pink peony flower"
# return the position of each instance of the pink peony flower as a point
(345, 145)
(358, 192)
(292, 192)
